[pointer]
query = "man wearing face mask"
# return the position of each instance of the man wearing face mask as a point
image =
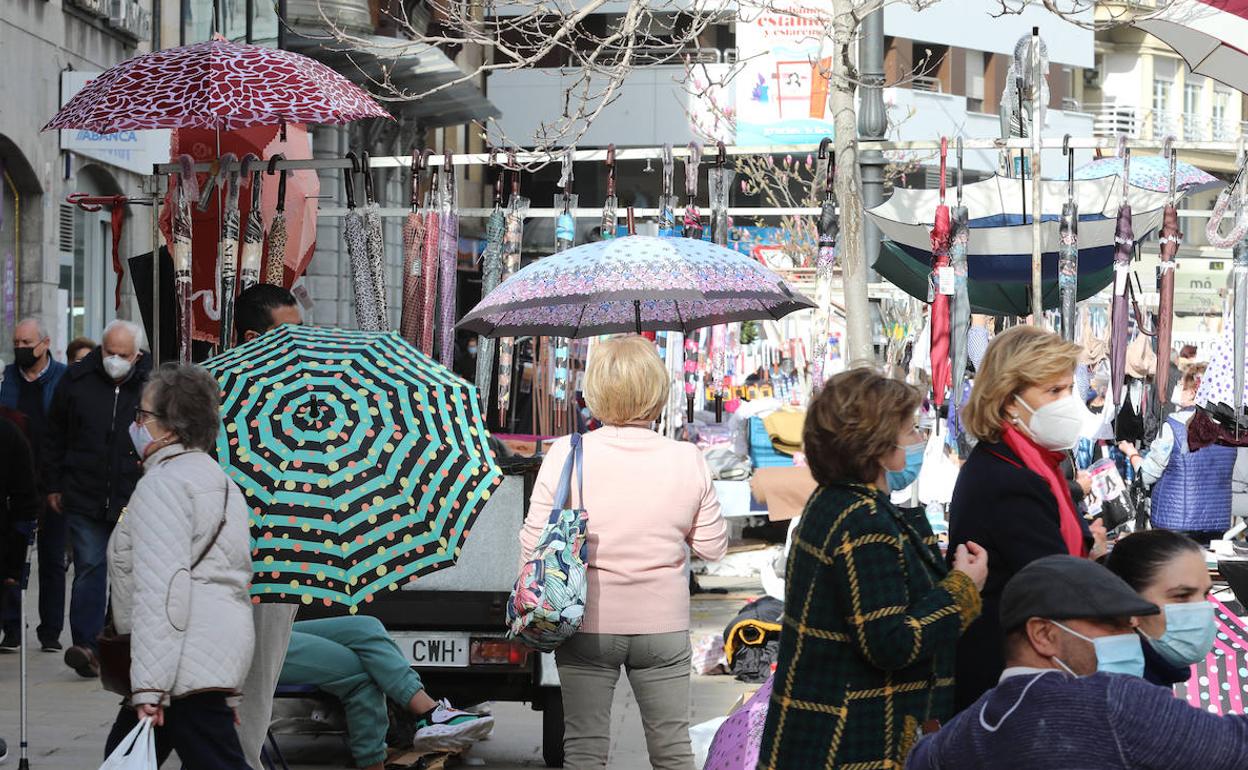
(28, 385)
(1071, 695)
(92, 468)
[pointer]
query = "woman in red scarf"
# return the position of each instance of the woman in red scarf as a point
(1011, 495)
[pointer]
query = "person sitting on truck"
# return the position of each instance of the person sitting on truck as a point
(355, 660)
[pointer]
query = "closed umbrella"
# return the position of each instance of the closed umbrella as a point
(228, 251)
(693, 229)
(829, 228)
(960, 316)
(253, 238)
(376, 245)
(1239, 284)
(513, 242)
(430, 251)
(491, 276)
(565, 236)
(413, 239)
(1068, 248)
(1169, 240)
(719, 184)
(565, 224)
(187, 191)
(667, 202)
(275, 265)
(448, 259)
(363, 289)
(1124, 246)
(611, 204)
(939, 322)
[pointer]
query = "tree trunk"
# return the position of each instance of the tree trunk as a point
(859, 347)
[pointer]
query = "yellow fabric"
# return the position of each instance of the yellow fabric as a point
(785, 428)
(749, 632)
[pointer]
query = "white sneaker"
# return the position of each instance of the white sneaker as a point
(449, 729)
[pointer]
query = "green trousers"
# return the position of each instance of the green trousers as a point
(353, 659)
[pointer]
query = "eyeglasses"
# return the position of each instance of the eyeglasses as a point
(142, 415)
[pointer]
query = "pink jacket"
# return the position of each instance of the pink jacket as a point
(650, 500)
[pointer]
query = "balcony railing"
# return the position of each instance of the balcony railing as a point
(928, 84)
(1110, 120)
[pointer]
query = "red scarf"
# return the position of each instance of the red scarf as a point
(1048, 465)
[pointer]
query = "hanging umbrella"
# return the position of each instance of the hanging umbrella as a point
(413, 239)
(1152, 172)
(275, 264)
(356, 239)
(491, 276)
(228, 251)
(1169, 241)
(376, 245)
(829, 228)
(1208, 34)
(513, 242)
(693, 218)
(253, 238)
(634, 284)
(430, 252)
(1068, 248)
(365, 464)
(1223, 383)
(1239, 283)
(941, 289)
(565, 236)
(667, 202)
(448, 259)
(1219, 683)
(960, 314)
(1124, 240)
(565, 225)
(218, 85)
(187, 191)
(609, 206)
(719, 183)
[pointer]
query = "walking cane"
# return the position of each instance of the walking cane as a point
(23, 584)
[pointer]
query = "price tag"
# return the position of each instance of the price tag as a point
(1120, 280)
(945, 280)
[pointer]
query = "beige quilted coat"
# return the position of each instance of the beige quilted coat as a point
(189, 632)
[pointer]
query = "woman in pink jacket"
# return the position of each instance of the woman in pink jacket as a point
(650, 502)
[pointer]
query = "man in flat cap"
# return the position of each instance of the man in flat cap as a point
(1071, 695)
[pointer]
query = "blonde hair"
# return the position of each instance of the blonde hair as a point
(1016, 359)
(626, 381)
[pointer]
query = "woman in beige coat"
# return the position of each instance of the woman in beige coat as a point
(179, 564)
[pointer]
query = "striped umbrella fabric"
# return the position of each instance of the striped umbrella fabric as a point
(1208, 34)
(1219, 683)
(364, 462)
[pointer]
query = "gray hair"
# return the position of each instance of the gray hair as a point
(131, 328)
(187, 400)
(40, 326)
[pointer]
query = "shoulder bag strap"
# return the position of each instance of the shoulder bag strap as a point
(225, 506)
(563, 495)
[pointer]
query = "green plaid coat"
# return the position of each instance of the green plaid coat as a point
(872, 618)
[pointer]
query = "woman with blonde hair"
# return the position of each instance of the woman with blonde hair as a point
(872, 614)
(1012, 496)
(649, 502)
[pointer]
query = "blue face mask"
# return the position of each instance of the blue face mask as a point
(1116, 654)
(1189, 633)
(914, 462)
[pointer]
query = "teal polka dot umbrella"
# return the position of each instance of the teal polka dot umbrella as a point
(364, 462)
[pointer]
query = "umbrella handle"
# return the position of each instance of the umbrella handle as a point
(1070, 167)
(959, 152)
(944, 155)
(186, 171)
(368, 178)
(691, 170)
(1124, 152)
(1168, 152)
(515, 174)
(721, 158)
(414, 183)
(827, 153)
(669, 165)
(610, 169)
(349, 179)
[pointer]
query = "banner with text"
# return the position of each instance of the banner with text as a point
(782, 87)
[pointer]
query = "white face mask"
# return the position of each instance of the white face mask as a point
(1057, 425)
(117, 366)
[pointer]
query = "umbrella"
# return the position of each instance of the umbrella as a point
(739, 739)
(565, 225)
(216, 84)
(1239, 282)
(1208, 34)
(491, 276)
(513, 242)
(355, 238)
(829, 228)
(364, 463)
(1152, 172)
(941, 289)
(1223, 382)
(960, 314)
(1124, 240)
(187, 191)
(448, 259)
(1169, 242)
(253, 238)
(667, 202)
(719, 183)
(227, 252)
(413, 237)
(275, 264)
(693, 218)
(1219, 683)
(1068, 248)
(633, 284)
(429, 253)
(610, 205)
(375, 245)
(565, 236)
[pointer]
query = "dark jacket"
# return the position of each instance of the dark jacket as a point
(866, 650)
(90, 458)
(1010, 511)
(19, 498)
(1159, 671)
(50, 378)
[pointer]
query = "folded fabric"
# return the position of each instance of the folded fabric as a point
(785, 428)
(783, 490)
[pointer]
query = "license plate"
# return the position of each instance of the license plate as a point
(445, 650)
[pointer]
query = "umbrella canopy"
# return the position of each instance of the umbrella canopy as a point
(364, 462)
(999, 241)
(219, 85)
(739, 739)
(1218, 683)
(1152, 172)
(1208, 35)
(634, 283)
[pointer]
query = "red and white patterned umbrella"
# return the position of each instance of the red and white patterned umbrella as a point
(219, 85)
(1208, 34)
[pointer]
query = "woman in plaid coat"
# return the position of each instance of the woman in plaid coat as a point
(872, 614)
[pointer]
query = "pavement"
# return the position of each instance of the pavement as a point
(70, 717)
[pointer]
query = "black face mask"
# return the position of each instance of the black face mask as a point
(25, 358)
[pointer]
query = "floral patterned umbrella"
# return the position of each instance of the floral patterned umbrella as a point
(217, 84)
(636, 283)
(1152, 172)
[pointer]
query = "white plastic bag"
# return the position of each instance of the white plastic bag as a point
(137, 751)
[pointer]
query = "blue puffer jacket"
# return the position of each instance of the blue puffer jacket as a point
(1194, 492)
(50, 378)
